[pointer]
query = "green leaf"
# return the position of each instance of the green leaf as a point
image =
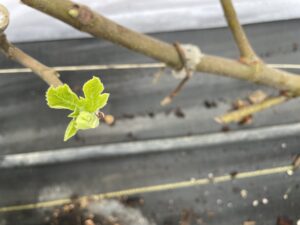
(101, 101)
(62, 97)
(86, 120)
(75, 113)
(71, 130)
(93, 105)
(84, 109)
(93, 88)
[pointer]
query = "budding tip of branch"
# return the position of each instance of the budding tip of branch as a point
(167, 100)
(4, 18)
(73, 12)
(219, 120)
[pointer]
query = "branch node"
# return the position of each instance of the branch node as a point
(82, 13)
(190, 56)
(240, 114)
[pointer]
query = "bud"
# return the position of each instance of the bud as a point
(86, 120)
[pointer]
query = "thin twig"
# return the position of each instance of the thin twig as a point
(168, 99)
(238, 115)
(246, 50)
(49, 75)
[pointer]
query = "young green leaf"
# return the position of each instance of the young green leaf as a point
(93, 88)
(62, 97)
(71, 130)
(84, 115)
(86, 120)
(94, 100)
(94, 104)
(75, 113)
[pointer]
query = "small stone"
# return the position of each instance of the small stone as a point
(219, 201)
(283, 145)
(229, 204)
(290, 172)
(89, 222)
(255, 203)
(244, 193)
(284, 221)
(179, 113)
(200, 221)
(109, 120)
(285, 196)
(298, 222)
(210, 176)
(249, 222)
(206, 193)
(265, 201)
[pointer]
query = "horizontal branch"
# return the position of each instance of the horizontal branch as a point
(84, 19)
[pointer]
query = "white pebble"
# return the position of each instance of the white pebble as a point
(255, 203)
(290, 172)
(298, 222)
(229, 204)
(265, 201)
(244, 193)
(219, 201)
(285, 196)
(283, 145)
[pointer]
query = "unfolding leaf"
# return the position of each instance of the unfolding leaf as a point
(71, 130)
(62, 97)
(101, 101)
(94, 104)
(84, 109)
(93, 88)
(86, 120)
(75, 113)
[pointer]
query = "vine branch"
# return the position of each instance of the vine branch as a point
(83, 18)
(246, 50)
(238, 115)
(49, 75)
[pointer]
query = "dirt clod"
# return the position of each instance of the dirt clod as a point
(249, 222)
(284, 221)
(210, 104)
(179, 113)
